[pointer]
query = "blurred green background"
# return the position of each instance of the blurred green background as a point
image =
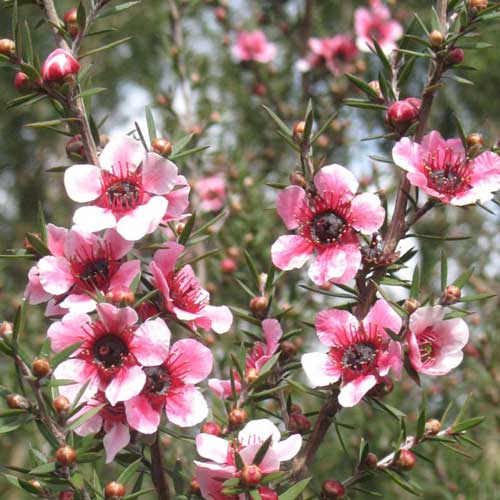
(224, 112)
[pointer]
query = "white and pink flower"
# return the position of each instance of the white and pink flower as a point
(81, 264)
(113, 350)
(325, 223)
(212, 192)
(435, 344)
(375, 21)
(331, 53)
(253, 46)
(183, 295)
(171, 386)
(442, 169)
(258, 356)
(360, 354)
(128, 191)
(221, 455)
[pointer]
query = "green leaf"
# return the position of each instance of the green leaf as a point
(360, 103)
(363, 86)
(37, 244)
(277, 120)
(422, 418)
(415, 283)
(381, 55)
(44, 468)
(117, 9)
(403, 483)
(50, 123)
(261, 452)
(19, 321)
(151, 124)
(466, 424)
(478, 297)
(188, 152)
(252, 267)
(92, 91)
(65, 354)
(178, 146)
(106, 47)
(463, 279)
(296, 490)
(22, 484)
(444, 270)
(186, 232)
(138, 494)
(81, 16)
(86, 416)
(324, 126)
(129, 471)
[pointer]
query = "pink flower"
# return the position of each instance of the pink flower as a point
(435, 344)
(376, 22)
(113, 351)
(325, 222)
(212, 193)
(332, 53)
(221, 453)
(361, 353)
(128, 192)
(253, 46)
(59, 64)
(178, 200)
(80, 265)
(259, 355)
(111, 419)
(171, 385)
(443, 170)
(183, 295)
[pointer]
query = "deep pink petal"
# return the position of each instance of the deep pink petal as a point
(151, 342)
(158, 174)
(291, 252)
(319, 369)
(70, 330)
(165, 259)
(210, 477)
(125, 274)
(141, 416)
(392, 358)
(353, 260)
(34, 291)
(433, 141)
(272, 333)
(83, 182)
(78, 242)
(212, 447)
(222, 388)
(56, 237)
(119, 247)
(116, 438)
(337, 180)
(352, 393)
(126, 383)
(190, 361)
(367, 214)
(178, 199)
(116, 319)
(81, 372)
(289, 203)
(332, 325)
(408, 155)
(55, 275)
(187, 407)
(414, 351)
(121, 151)
(383, 316)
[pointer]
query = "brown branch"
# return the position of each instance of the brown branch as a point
(157, 470)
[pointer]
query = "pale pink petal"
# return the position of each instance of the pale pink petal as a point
(288, 448)
(336, 180)
(352, 393)
(414, 351)
(319, 369)
(53, 309)
(116, 319)
(383, 316)
(116, 438)
(187, 407)
(453, 334)
(267, 54)
(220, 318)
(433, 141)
(210, 477)
(291, 252)
(353, 260)
(178, 199)
(272, 333)
(330, 264)
(486, 172)
(81, 372)
(83, 182)
(70, 330)
(34, 291)
(158, 174)
(257, 431)
(190, 361)
(91, 426)
(141, 416)
(78, 303)
(94, 219)
(125, 274)
(126, 383)
(392, 358)
(270, 462)
(55, 275)
(418, 179)
(332, 325)
(212, 447)
(143, 220)
(56, 237)
(222, 388)
(121, 151)
(79, 242)
(119, 247)
(151, 342)
(443, 364)
(424, 317)
(367, 214)
(407, 155)
(289, 203)
(165, 259)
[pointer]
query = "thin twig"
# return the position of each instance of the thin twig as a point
(158, 471)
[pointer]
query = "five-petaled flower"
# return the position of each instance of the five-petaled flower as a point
(212, 192)
(360, 354)
(325, 221)
(442, 169)
(253, 46)
(435, 344)
(128, 191)
(221, 455)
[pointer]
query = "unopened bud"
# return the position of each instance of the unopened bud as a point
(71, 22)
(212, 428)
(298, 129)
(22, 82)
(7, 47)
(251, 375)
(120, 295)
(451, 295)
(298, 179)
(371, 461)
(411, 305)
(405, 461)
(61, 405)
(402, 114)
(194, 486)
(478, 5)
(436, 38)
(18, 402)
(228, 265)
(237, 417)
(220, 14)
(375, 86)
(267, 493)
(299, 423)
(114, 490)
(5, 328)
(162, 146)
(251, 475)
(233, 252)
(259, 89)
(432, 426)
(75, 146)
(474, 143)
(66, 495)
(36, 484)
(288, 350)
(40, 367)
(259, 305)
(456, 56)
(332, 490)
(65, 456)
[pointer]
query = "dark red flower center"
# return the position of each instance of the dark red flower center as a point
(447, 173)
(158, 381)
(327, 227)
(359, 357)
(122, 192)
(110, 351)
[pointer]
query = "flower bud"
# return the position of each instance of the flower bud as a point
(299, 423)
(432, 426)
(228, 265)
(18, 402)
(114, 490)
(402, 114)
(237, 417)
(251, 375)
(59, 64)
(70, 19)
(371, 461)
(212, 428)
(405, 461)
(40, 367)
(36, 484)
(61, 405)
(267, 493)
(7, 47)
(375, 86)
(259, 89)
(298, 179)
(474, 143)
(162, 146)
(120, 294)
(436, 38)
(5, 328)
(22, 82)
(220, 14)
(411, 305)
(233, 252)
(478, 5)
(295, 408)
(66, 495)
(288, 350)
(251, 475)
(75, 146)
(259, 305)
(194, 486)
(455, 56)
(65, 456)
(298, 129)
(332, 490)
(451, 295)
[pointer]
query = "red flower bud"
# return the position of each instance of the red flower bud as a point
(65, 456)
(402, 114)
(71, 22)
(114, 490)
(220, 14)
(75, 146)
(405, 461)
(456, 56)
(18, 402)
(332, 490)
(371, 461)
(161, 146)
(436, 38)
(251, 475)
(299, 423)
(22, 82)
(228, 265)
(451, 295)
(66, 495)
(40, 367)
(211, 428)
(298, 179)
(432, 426)
(194, 486)
(121, 295)
(61, 404)
(267, 493)
(237, 417)
(59, 64)
(259, 305)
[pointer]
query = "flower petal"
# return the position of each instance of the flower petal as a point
(158, 174)
(291, 252)
(290, 201)
(141, 416)
(94, 219)
(336, 180)
(116, 438)
(190, 361)
(187, 407)
(220, 318)
(272, 333)
(334, 326)
(319, 369)
(367, 214)
(407, 155)
(55, 275)
(120, 152)
(212, 447)
(118, 246)
(330, 264)
(68, 331)
(116, 319)
(352, 393)
(83, 182)
(126, 383)
(257, 431)
(288, 448)
(151, 342)
(125, 274)
(56, 237)
(383, 316)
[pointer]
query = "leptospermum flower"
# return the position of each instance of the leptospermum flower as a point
(221, 453)
(113, 350)
(325, 223)
(128, 191)
(253, 46)
(171, 386)
(375, 21)
(182, 294)
(435, 344)
(259, 355)
(442, 169)
(360, 352)
(111, 419)
(333, 53)
(212, 192)
(59, 63)
(81, 265)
